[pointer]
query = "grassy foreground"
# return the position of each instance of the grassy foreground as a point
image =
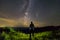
(13, 35)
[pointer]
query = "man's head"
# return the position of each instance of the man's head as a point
(31, 22)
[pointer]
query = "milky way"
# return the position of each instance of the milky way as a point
(22, 12)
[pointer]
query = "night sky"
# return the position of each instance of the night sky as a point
(22, 12)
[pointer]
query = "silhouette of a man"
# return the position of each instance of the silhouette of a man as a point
(31, 29)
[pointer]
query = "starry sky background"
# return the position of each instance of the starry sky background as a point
(21, 12)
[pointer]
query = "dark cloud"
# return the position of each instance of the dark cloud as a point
(13, 8)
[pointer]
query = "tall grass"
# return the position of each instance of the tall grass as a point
(13, 35)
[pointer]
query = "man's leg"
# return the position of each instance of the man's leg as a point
(33, 34)
(30, 37)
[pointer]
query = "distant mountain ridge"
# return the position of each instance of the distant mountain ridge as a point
(26, 29)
